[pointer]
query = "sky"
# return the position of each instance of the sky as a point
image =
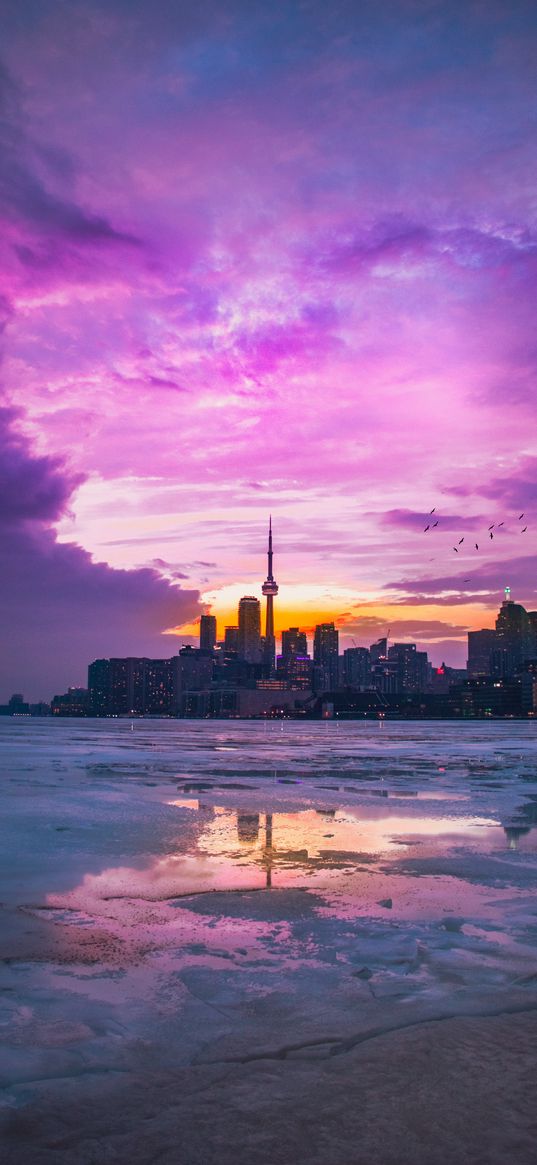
(264, 259)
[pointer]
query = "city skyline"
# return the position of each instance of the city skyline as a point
(263, 261)
(241, 673)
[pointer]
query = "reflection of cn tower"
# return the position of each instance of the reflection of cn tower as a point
(267, 852)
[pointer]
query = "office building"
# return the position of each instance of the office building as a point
(326, 656)
(356, 668)
(231, 639)
(249, 632)
(294, 642)
(207, 633)
(515, 637)
(481, 645)
(410, 667)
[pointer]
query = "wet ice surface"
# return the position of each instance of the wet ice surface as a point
(183, 899)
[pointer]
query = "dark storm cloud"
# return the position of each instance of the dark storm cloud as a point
(59, 608)
(31, 488)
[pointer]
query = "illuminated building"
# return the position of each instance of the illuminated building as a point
(481, 645)
(357, 667)
(410, 667)
(298, 671)
(515, 637)
(294, 642)
(326, 656)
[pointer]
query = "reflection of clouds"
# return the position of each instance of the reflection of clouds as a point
(241, 850)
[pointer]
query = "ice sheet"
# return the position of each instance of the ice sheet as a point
(179, 897)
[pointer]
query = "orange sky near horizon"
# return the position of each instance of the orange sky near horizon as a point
(363, 622)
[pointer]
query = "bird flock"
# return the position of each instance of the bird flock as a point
(494, 527)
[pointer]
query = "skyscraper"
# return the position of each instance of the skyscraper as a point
(357, 667)
(249, 639)
(270, 589)
(207, 632)
(294, 642)
(231, 639)
(325, 654)
(481, 645)
(515, 637)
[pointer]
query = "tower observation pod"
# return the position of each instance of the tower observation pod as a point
(270, 589)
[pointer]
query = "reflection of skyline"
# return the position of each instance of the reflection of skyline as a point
(248, 825)
(307, 844)
(303, 845)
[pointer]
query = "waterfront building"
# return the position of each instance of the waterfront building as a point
(481, 645)
(410, 667)
(515, 637)
(356, 668)
(207, 633)
(326, 656)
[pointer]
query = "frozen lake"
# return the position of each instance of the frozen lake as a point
(299, 943)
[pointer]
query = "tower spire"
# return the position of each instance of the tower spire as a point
(270, 589)
(269, 554)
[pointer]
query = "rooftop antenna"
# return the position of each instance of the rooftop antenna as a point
(507, 593)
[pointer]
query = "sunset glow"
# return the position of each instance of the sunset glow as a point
(221, 301)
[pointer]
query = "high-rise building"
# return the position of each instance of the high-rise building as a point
(195, 669)
(294, 642)
(207, 632)
(298, 672)
(356, 667)
(515, 635)
(410, 667)
(481, 645)
(379, 651)
(270, 590)
(326, 656)
(99, 678)
(231, 639)
(158, 687)
(249, 637)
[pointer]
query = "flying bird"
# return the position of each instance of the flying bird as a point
(426, 529)
(455, 549)
(433, 509)
(435, 524)
(500, 524)
(524, 530)
(466, 580)
(477, 546)
(520, 516)
(461, 539)
(492, 527)
(491, 535)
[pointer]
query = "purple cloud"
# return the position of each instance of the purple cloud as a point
(60, 608)
(483, 584)
(413, 520)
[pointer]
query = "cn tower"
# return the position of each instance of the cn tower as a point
(270, 588)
